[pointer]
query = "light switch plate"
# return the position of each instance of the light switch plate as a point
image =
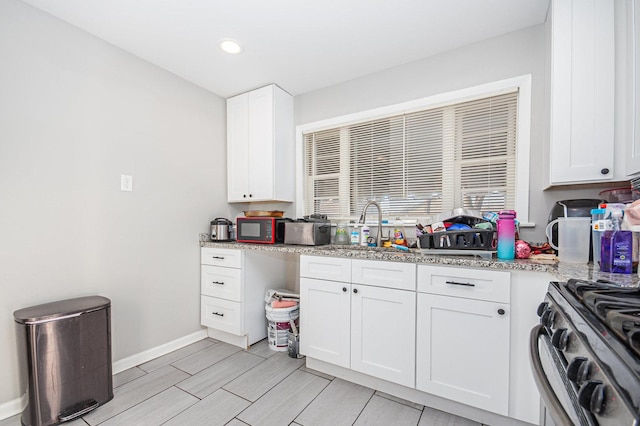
(126, 183)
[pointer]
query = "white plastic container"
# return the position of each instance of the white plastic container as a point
(278, 326)
(364, 236)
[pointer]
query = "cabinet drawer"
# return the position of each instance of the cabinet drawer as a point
(325, 268)
(479, 284)
(224, 283)
(384, 274)
(221, 314)
(221, 257)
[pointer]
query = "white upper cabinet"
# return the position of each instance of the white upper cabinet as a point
(581, 84)
(633, 80)
(260, 146)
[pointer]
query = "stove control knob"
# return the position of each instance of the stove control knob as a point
(548, 317)
(560, 338)
(591, 396)
(578, 370)
(541, 308)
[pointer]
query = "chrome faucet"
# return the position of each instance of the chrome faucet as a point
(363, 219)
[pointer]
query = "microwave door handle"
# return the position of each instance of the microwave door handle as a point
(556, 410)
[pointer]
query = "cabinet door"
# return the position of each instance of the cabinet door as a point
(261, 144)
(582, 91)
(463, 351)
(324, 320)
(238, 148)
(383, 333)
(633, 105)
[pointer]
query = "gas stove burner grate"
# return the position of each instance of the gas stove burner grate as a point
(577, 287)
(625, 323)
(616, 307)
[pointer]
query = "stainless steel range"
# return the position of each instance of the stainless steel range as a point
(585, 353)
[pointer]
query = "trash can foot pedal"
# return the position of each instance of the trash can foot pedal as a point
(78, 410)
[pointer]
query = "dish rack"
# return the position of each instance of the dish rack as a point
(474, 239)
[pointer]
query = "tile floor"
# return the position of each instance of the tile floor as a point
(213, 383)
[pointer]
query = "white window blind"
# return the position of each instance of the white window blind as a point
(416, 164)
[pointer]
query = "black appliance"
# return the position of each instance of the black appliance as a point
(572, 208)
(585, 353)
(260, 229)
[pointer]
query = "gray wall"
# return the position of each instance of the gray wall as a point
(518, 53)
(75, 113)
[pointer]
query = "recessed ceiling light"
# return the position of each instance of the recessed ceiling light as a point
(230, 46)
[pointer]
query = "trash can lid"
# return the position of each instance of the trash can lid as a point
(62, 308)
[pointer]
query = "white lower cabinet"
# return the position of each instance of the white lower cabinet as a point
(463, 351)
(455, 338)
(462, 333)
(368, 329)
(383, 333)
(233, 283)
(325, 312)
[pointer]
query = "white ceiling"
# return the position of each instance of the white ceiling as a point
(301, 45)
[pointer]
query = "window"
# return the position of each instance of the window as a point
(420, 162)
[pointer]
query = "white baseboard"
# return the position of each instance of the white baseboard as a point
(15, 406)
(232, 339)
(148, 355)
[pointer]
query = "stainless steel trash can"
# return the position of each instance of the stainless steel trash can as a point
(64, 351)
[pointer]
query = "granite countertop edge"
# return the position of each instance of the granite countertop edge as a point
(559, 271)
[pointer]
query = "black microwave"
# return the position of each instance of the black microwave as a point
(260, 230)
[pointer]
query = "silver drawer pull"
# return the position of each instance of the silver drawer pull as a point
(217, 282)
(218, 257)
(218, 314)
(457, 283)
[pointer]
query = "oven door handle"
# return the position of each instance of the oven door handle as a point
(549, 397)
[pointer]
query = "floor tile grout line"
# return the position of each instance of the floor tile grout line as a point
(176, 415)
(135, 405)
(314, 398)
(171, 363)
(364, 406)
(261, 396)
(226, 383)
(402, 401)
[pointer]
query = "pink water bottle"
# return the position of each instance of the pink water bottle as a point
(506, 234)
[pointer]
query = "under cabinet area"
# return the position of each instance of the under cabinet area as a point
(260, 146)
(463, 336)
(233, 284)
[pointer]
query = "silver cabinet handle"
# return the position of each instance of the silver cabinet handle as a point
(218, 314)
(457, 283)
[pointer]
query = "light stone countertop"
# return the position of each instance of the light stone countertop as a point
(560, 271)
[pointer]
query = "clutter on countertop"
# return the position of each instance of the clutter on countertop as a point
(620, 195)
(506, 234)
(616, 246)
